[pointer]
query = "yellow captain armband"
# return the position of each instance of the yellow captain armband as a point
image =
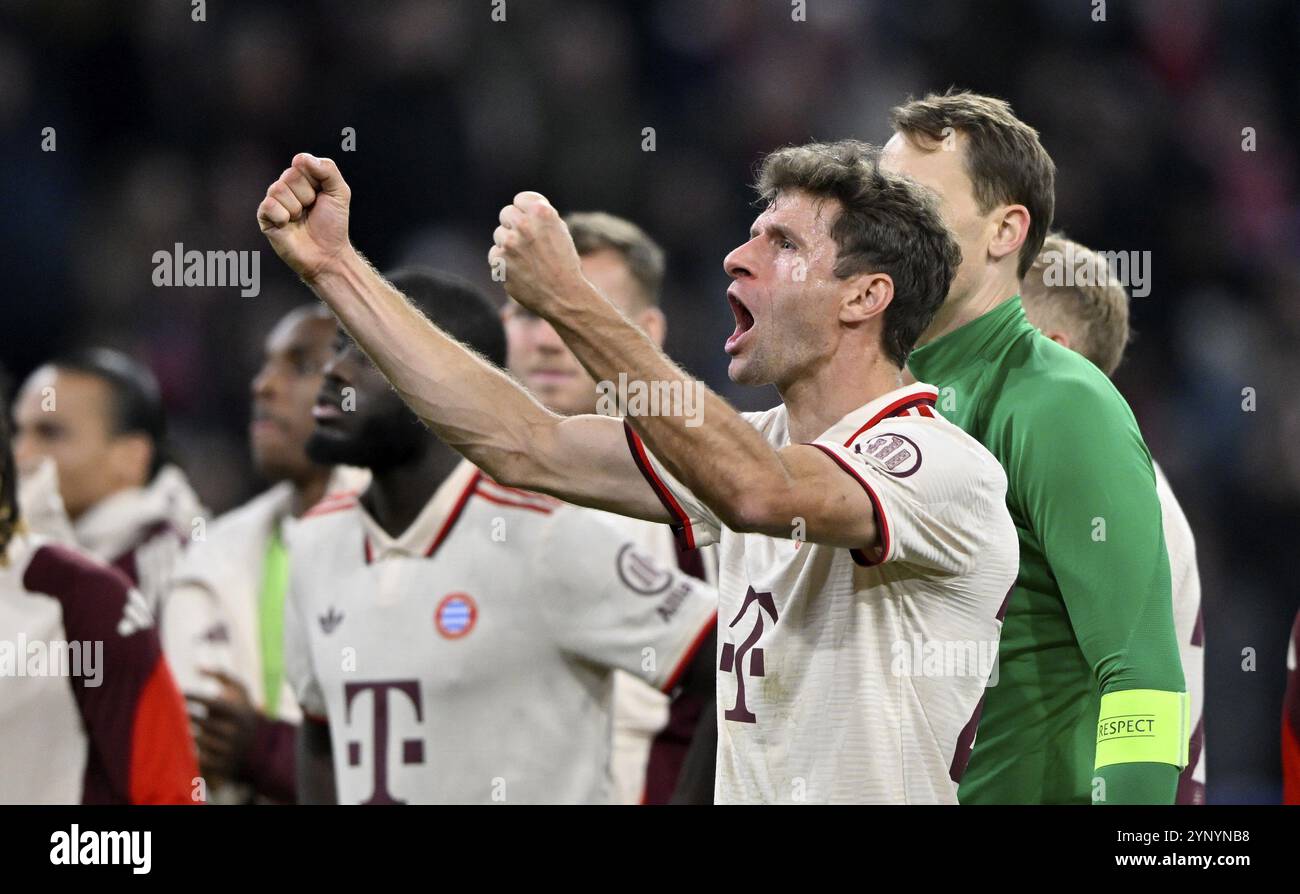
(1143, 726)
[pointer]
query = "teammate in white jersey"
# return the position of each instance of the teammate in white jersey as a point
(844, 268)
(461, 636)
(223, 628)
(1071, 294)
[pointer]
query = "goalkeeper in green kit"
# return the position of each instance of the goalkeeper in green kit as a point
(1090, 704)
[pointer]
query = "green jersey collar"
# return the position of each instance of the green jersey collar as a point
(985, 337)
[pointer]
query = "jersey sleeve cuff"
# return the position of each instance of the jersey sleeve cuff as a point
(882, 521)
(682, 526)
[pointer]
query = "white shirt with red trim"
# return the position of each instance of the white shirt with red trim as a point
(471, 659)
(1185, 579)
(848, 678)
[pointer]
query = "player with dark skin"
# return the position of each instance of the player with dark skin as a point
(380, 433)
(408, 463)
(284, 392)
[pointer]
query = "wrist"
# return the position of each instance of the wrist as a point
(568, 298)
(338, 266)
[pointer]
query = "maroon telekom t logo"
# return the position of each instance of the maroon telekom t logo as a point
(412, 749)
(734, 658)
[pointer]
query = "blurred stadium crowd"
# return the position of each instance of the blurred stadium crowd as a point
(168, 130)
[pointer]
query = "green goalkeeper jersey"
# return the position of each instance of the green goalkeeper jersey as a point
(1090, 612)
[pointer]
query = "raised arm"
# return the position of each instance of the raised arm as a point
(721, 458)
(470, 404)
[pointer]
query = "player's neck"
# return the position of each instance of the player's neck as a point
(849, 379)
(957, 312)
(309, 491)
(397, 495)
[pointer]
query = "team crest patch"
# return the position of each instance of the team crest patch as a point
(896, 455)
(455, 615)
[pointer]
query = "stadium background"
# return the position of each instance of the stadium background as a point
(169, 130)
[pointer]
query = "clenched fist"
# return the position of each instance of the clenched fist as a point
(534, 250)
(305, 214)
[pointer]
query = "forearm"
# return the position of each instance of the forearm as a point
(470, 404)
(712, 450)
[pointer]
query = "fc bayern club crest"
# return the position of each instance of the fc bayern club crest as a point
(455, 615)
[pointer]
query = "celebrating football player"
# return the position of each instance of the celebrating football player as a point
(856, 526)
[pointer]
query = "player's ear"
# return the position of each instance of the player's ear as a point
(1061, 338)
(1011, 233)
(866, 296)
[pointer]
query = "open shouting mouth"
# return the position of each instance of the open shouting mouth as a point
(744, 323)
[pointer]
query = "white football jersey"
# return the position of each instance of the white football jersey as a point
(851, 678)
(1186, 584)
(470, 660)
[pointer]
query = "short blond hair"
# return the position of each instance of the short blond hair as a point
(595, 231)
(1095, 316)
